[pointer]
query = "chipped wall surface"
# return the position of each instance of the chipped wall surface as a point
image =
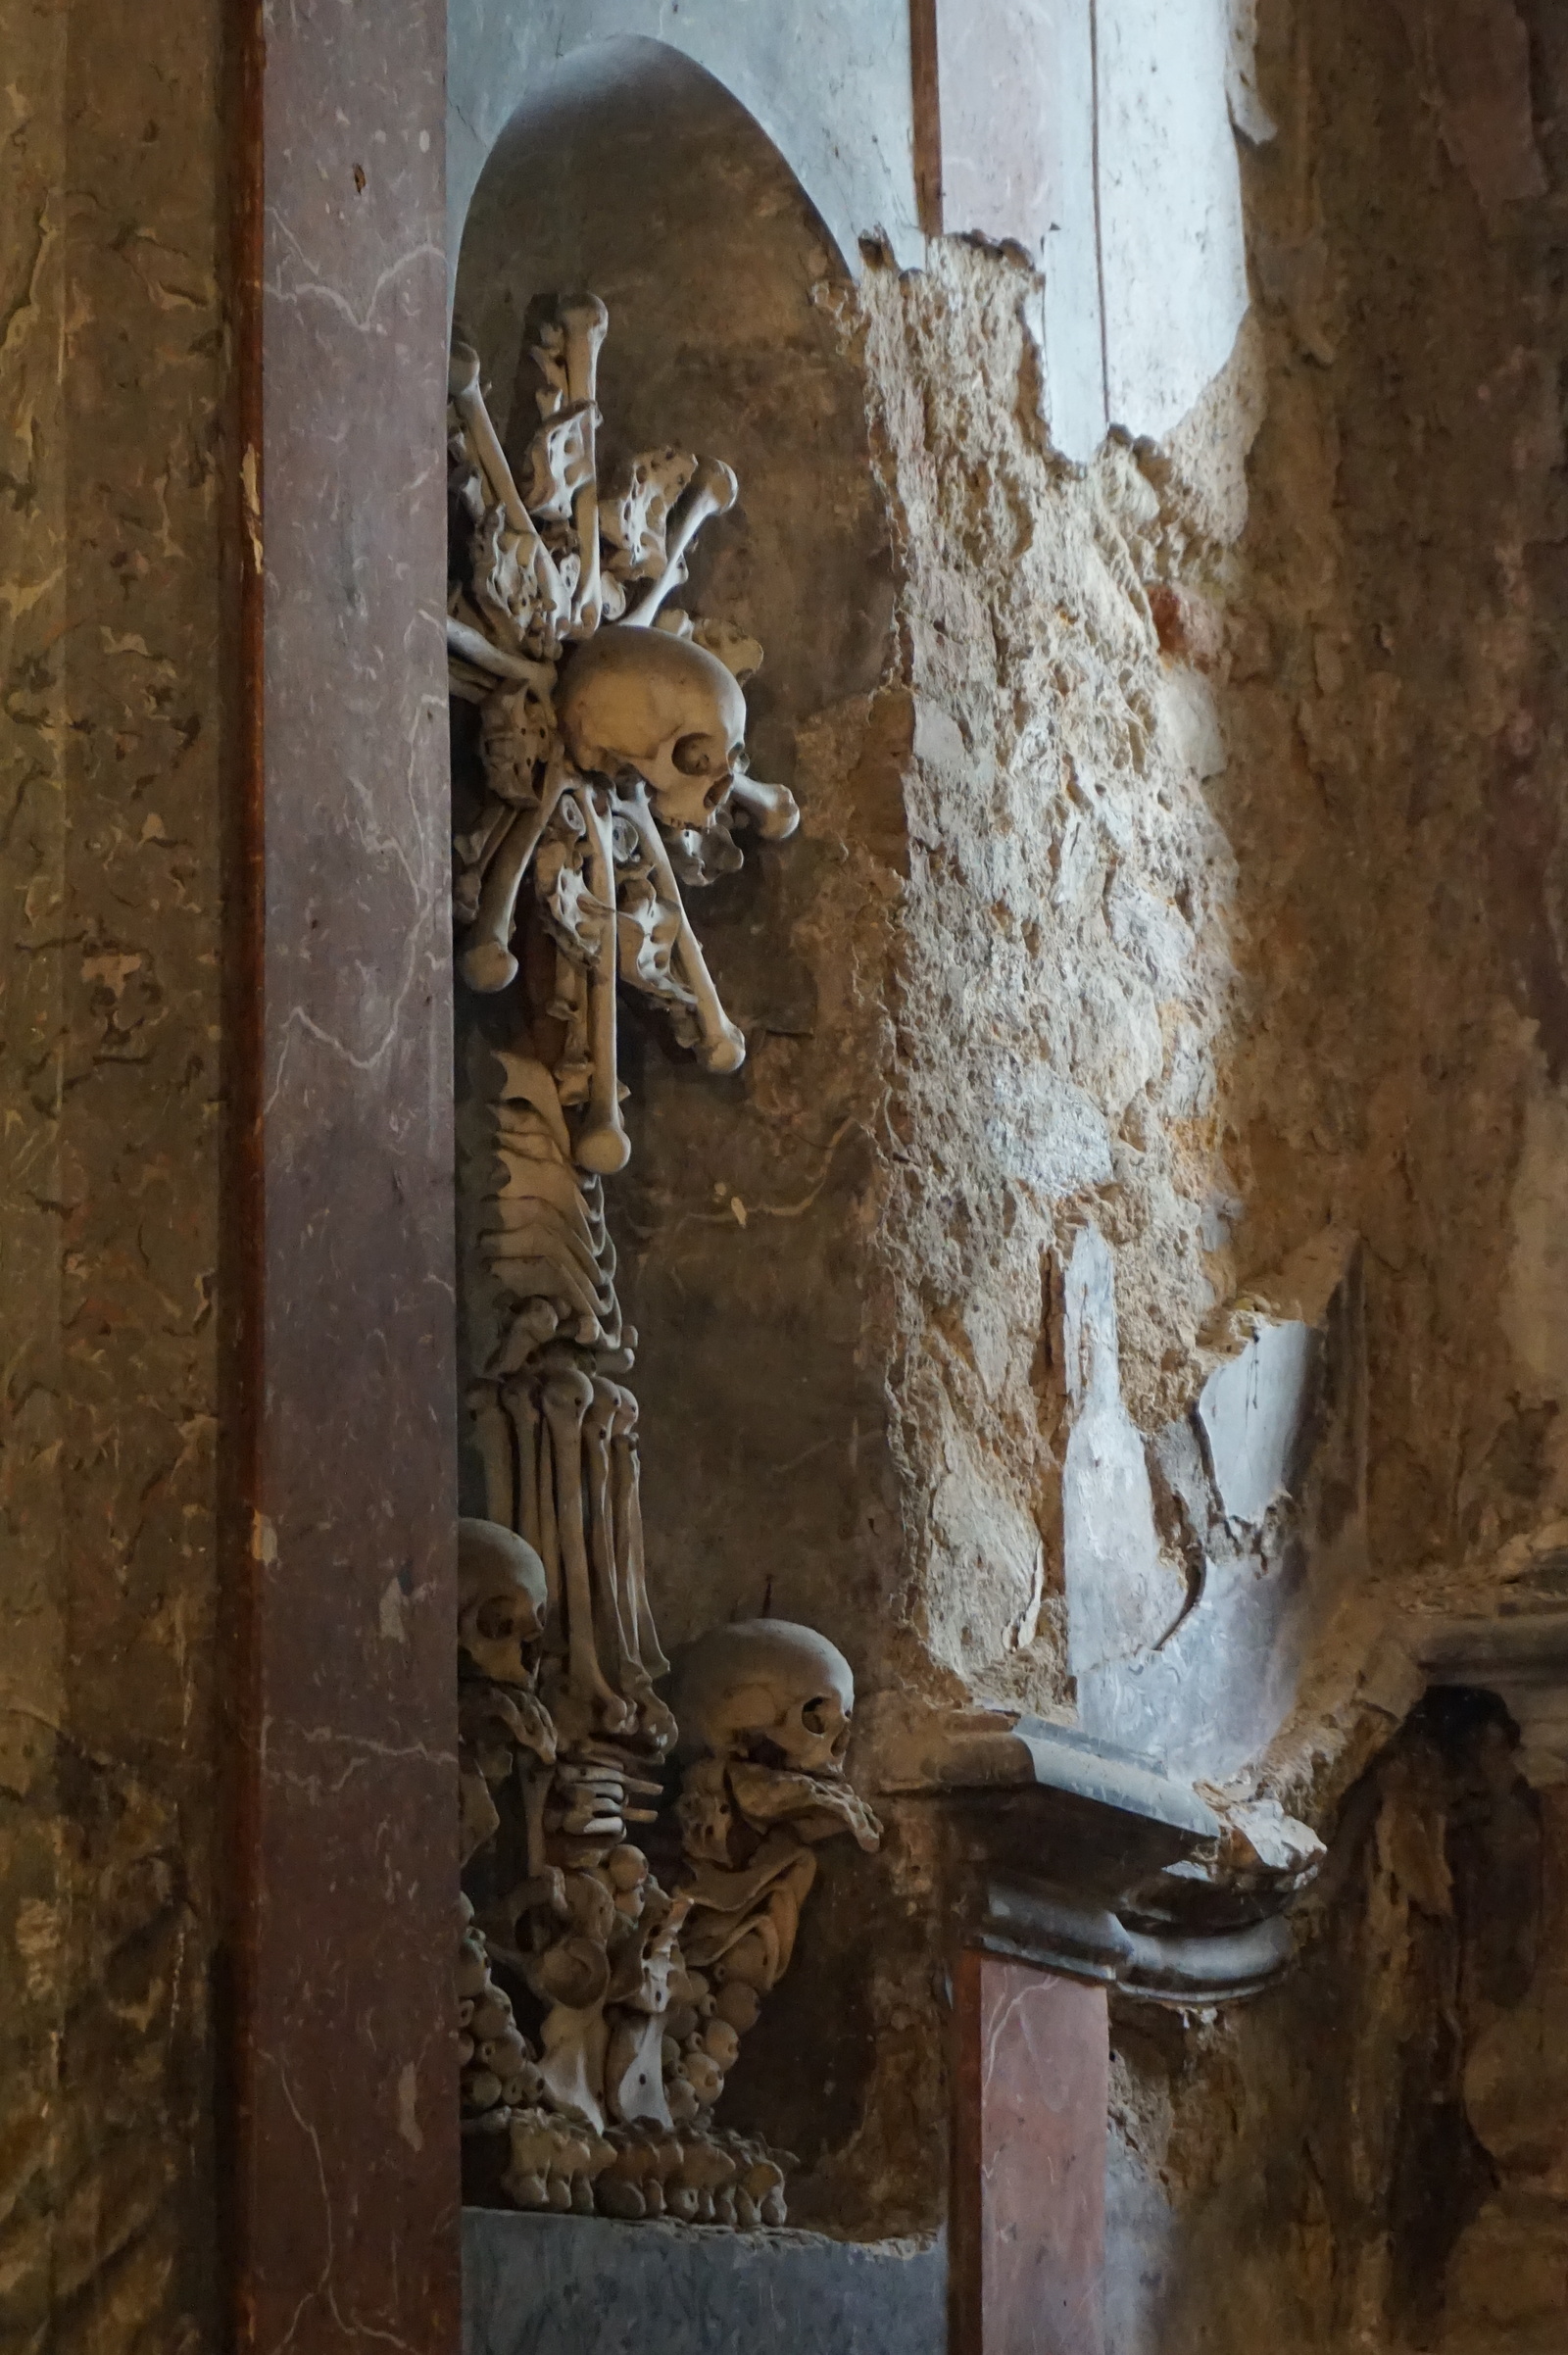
(111, 373)
(1121, 1282)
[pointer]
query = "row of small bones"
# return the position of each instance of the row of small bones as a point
(613, 764)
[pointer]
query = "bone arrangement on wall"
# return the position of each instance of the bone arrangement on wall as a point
(614, 1947)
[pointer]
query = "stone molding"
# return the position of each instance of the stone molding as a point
(1086, 1859)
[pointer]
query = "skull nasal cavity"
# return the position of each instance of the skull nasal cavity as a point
(692, 755)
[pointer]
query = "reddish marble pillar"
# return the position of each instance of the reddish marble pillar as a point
(343, 2143)
(1028, 2232)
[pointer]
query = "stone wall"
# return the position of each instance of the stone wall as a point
(111, 373)
(1182, 978)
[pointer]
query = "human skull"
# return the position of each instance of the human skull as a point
(502, 1599)
(765, 1690)
(642, 700)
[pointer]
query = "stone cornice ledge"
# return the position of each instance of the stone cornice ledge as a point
(1085, 1858)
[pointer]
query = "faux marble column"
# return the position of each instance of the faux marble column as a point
(1029, 2161)
(340, 1223)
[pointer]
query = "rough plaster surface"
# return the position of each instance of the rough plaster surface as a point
(112, 352)
(1371, 2156)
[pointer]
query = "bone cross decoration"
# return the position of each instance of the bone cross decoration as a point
(612, 727)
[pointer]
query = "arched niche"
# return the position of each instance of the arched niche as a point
(632, 173)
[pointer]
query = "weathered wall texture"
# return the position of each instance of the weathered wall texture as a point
(1372, 2156)
(1168, 1115)
(112, 363)
(1393, 706)
(1396, 717)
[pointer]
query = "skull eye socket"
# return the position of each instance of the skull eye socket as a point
(502, 1616)
(814, 1715)
(693, 756)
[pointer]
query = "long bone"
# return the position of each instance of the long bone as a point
(603, 1145)
(713, 491)
(462, 385)
(487, 963)
(472, 646)
(568, 1395)
(723, 1047)
(628, 1513)
(549, 1543)
(522, 1411)
(584, 324)
(616, 1624)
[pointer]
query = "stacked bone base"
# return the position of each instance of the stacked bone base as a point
(521, 2148)
(539, 2157)
(598, 2014)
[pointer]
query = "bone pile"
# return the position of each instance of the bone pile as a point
(599, 2012)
